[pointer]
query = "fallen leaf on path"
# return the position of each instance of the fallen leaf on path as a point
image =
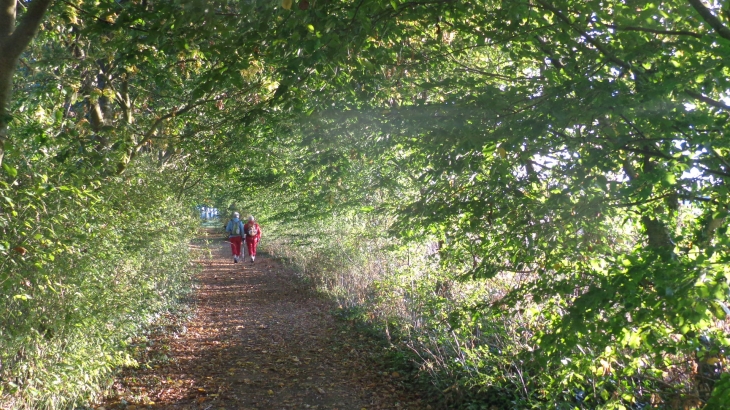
(213, 355)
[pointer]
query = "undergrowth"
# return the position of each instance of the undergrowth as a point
(466, 348)
(103, 262)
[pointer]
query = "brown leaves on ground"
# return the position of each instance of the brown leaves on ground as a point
(259, 340)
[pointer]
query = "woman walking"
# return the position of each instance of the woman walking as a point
(252, 231)
(235, 235)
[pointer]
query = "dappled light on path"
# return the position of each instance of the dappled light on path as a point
(258, 340)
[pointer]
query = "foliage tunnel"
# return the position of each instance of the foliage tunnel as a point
(539, 187)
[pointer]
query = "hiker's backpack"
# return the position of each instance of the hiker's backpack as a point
(253, 230)
(236, 228)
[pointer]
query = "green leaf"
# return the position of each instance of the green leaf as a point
(669, 179)
(22, 297)
(719, 310)
(10, 170)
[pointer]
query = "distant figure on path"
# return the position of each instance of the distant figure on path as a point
(253, 236)
(235, 236)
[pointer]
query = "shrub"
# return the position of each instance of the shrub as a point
(101, 261)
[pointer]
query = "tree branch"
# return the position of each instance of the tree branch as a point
(99, 19)
(7, 19)
(710, 18)
(600, 47)
(659, 236)
(357, 9)
(652, 153)
(707, 100)
(485, 73)
(551, 56)
(655, 31)
(632, 125)
(13, 40)
(718, 156)
(711, 171)
(184, 188)
(709, 229)
(657, 198)
(23, 62)
(175, 112)
(643, 202)
(26, 30)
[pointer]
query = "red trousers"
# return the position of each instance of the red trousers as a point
(251, 245)
(236, 245)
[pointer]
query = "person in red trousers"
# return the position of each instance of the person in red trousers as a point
(235, 231)
(252, 232)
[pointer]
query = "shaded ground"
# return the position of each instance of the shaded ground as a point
(258, 340)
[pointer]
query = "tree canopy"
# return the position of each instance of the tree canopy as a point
(578, 147)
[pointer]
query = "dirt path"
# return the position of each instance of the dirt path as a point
(258, 340)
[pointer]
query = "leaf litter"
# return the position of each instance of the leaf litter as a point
(259, 339)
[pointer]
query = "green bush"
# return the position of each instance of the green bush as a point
(472, 346)
(98, 263)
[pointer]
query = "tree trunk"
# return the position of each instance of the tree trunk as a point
(13, 40)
